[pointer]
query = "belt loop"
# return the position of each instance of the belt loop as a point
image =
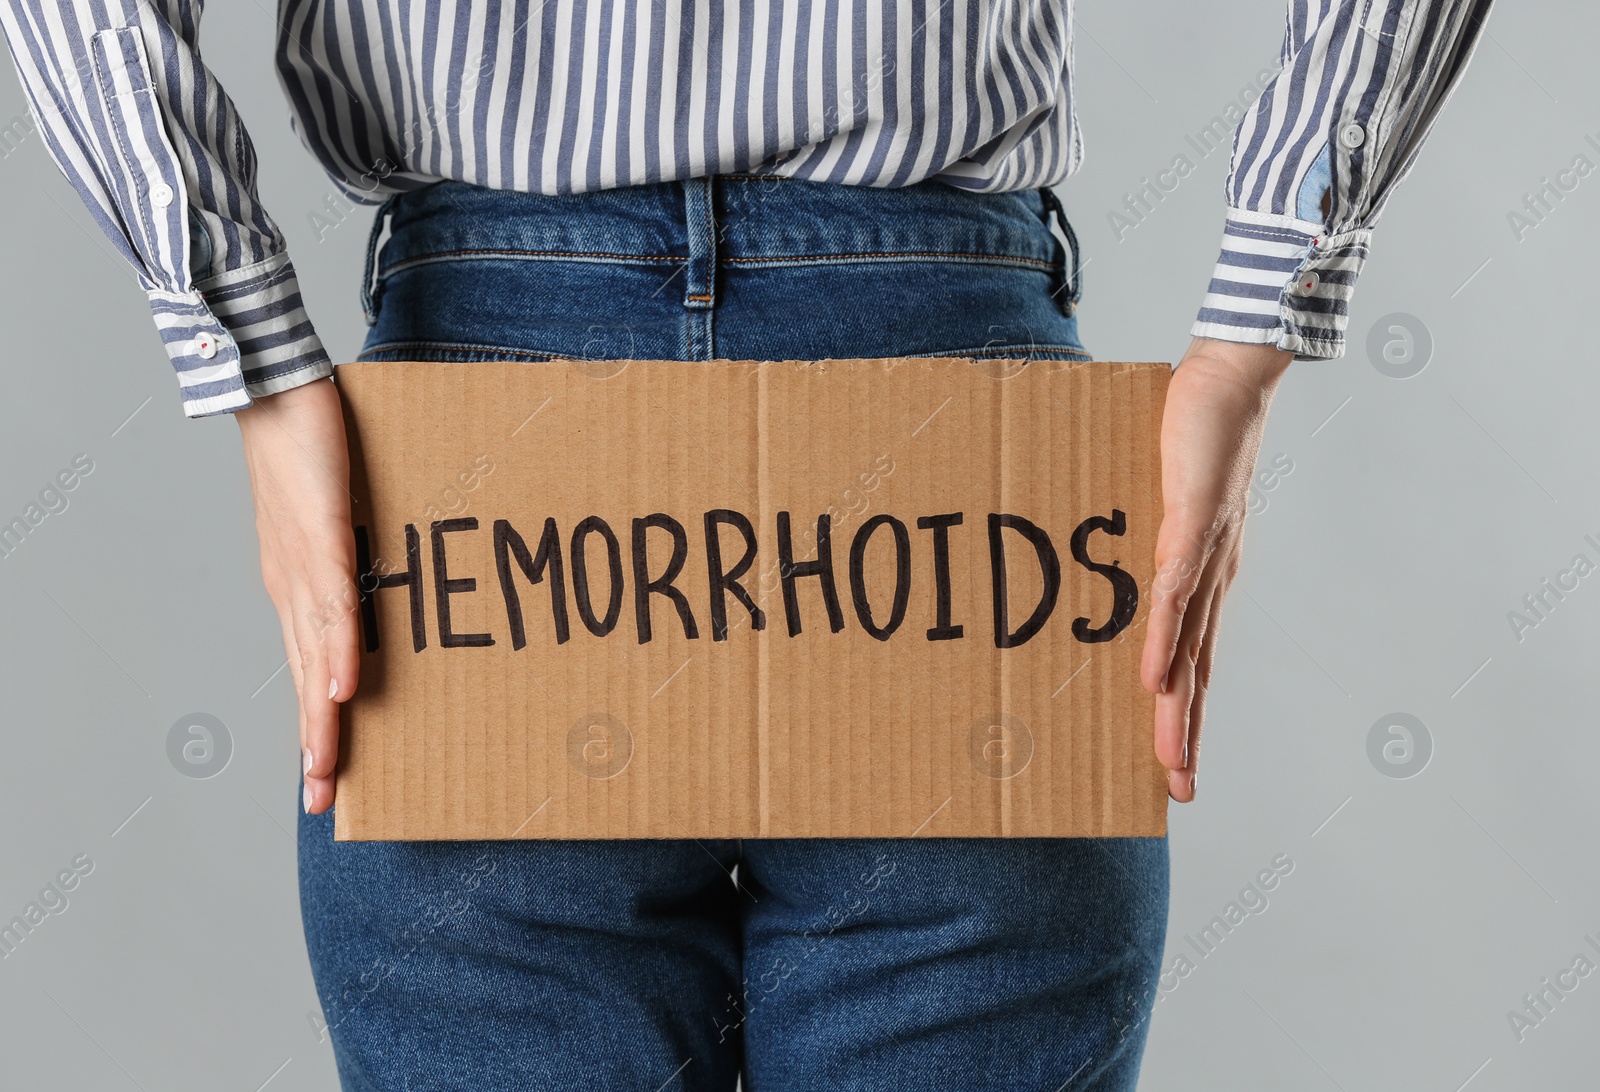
(369, 292)
(700, 272)
(1071, 287)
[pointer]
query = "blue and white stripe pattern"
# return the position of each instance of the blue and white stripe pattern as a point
(562, 96)
(147, 137)
(1360, 87)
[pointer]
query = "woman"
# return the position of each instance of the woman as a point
(679, 180)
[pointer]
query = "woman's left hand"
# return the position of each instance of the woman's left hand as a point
(1210, 435)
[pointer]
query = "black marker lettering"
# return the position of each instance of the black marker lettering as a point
(1049, 567)
(902, 575)
(444, 586)
(411, 577)
(509, 544)
(727, 580)
(643, 585)
(940, 526)
(1124, 588)
(580, 575)
(822, 568)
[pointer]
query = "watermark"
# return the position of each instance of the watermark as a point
(51, 903)
(599, 746)
(434, 915)
(1399, 746)
(1540, 203)
(852, 904)
(451, 500)
(448, 502)
(15, 132)
(1266, 481)
(199, 745)
(1017, 342)
(336, 207)
(1141, 202)
(856, 503)
(1399, 345)
(606, 352)
(1552, 591)
(1539, 1005)
(51, 501)
(1252, 902)
(1000, 746)
(1218, 132)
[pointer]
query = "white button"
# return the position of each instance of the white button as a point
(1352, 135)
(161, 194)
(1307, 283)
(205, 345)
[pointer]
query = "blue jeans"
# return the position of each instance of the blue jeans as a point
(802, 964)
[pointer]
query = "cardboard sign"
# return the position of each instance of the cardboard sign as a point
(740, 599)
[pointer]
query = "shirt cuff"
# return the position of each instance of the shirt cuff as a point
(1283, 281)
(239, 336)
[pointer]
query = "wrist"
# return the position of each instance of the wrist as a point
(307, 402)
(1256, 366)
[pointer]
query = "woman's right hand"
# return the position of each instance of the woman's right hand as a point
(294, 444)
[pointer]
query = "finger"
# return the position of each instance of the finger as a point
(291, 647)
(1181, 560)
(300, 719)
(1181, 782)
(291, 651)
(1173, 704)
(321, 717)
(339, 633)
(344, 648)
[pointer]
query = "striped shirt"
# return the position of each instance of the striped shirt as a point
(560, 96)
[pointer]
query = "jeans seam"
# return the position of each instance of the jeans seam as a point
(495, 252)
(453, 347)
(1027, 351)
(904, 255)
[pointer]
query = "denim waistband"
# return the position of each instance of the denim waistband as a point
(760, 220)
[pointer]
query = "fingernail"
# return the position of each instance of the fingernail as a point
(305, 797)
(306, 765)
(333, 688)
(1193, 778)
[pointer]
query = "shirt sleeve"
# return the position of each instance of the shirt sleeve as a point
(153, 145)
(1338, 128)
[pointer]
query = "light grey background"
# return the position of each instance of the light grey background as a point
(1378, 577)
